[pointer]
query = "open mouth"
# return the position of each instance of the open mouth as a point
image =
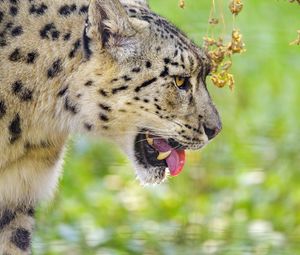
(154, 151)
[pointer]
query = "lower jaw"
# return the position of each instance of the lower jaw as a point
(147, 154)
(154, 175)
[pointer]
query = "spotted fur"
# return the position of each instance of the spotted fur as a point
(99, 67)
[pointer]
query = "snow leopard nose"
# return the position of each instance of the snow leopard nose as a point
(212, 124)
(211, 132)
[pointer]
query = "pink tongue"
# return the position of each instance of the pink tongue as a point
(176, 159)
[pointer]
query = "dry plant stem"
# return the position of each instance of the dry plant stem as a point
(297, 41)
(220, 52)
(221, 6)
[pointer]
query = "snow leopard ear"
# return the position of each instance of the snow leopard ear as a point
(108, 23)
(143, 3)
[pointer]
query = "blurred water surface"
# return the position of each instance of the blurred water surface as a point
(240, 195)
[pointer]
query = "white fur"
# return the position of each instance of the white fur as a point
(29, 180)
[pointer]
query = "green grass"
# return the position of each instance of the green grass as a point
(240, 195)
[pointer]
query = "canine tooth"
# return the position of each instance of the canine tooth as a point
(163, 155)
(149, 140)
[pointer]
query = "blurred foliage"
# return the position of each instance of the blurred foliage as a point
(240, 195)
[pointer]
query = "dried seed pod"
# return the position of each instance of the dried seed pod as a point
(236, 45)
(217, 55)
(181, 3)
(236, 6)
(297, 41)
(208, 42)
(222, 79)
(292, 1)
(213, 21)
(226, 65)
(220, 42)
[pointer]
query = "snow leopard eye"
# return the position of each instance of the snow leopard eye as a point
(182, 82)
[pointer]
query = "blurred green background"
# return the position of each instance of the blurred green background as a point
(240, 195)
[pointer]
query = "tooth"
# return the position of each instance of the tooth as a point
(163, 155)
(149, 140)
